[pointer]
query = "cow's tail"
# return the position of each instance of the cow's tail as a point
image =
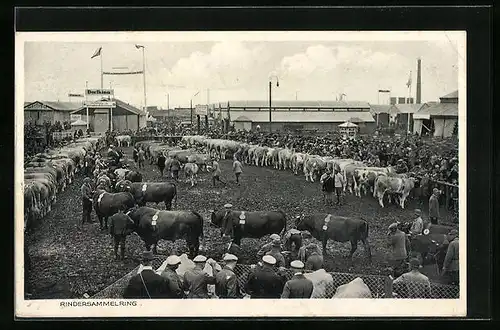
(283, 231)
(365, 229)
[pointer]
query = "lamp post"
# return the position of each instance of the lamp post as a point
(270, 98)
(143, 74)
(192, 108)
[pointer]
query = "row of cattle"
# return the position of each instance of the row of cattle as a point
(358, 177)
(49, 173)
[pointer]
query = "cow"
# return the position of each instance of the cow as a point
(260, 155)
(121, 173)
(201, 160)
(152, 225)
(106, 204)
(256, 224)
(156, 192)
(297, 162)
(191, 172)
(124, 140)
(393, 185)
(364, 178)
(285, 158)
(272, 158)
(340, 229)
(133, 176)
(314, 166)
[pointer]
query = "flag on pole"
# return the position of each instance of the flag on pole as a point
(97, 53)
(139, 46)
(408, 83)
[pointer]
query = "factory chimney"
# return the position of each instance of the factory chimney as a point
(419, 82)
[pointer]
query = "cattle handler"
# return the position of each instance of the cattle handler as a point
(196, 281)
(299, 287)
(397, 240)
(227, 223)
(87, 192)
(172, 278)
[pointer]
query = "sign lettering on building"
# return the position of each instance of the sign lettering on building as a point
(99, 92)
(74, 118)
(75, 95)
(101, 104)
(201, 110)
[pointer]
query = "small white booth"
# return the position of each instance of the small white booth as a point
(348, 129)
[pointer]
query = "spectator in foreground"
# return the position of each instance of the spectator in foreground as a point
(196, 280)
(226, 285)
(275, 252)
(173, 280)
(264, 282)
(299, 287)
(417, 285)
(322, 281)
(268, 246)
(451, 265)
(146, 284)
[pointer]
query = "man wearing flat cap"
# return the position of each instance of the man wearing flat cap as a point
(299, 287)
(173, 280)
(146, 284)
(268, 246)
(397, 241)
(227, 221)
(226, 281)
(434, 206)
(196, 280)
(451, 265)
(265, 282)
(276, 252)
(418, 224)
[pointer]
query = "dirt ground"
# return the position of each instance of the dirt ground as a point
(68, 261)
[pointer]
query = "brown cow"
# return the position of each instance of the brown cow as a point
(341, 229)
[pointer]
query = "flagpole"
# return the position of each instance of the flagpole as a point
(102, 76)
(86, 104)
(144, 78)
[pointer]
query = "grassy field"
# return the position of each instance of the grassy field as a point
(68, 261)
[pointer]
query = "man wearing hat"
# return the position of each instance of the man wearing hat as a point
(87, 191)
(141, 157)
(397, 241)
(216, 173)
(434, 206)
(328, 185)
(146, 284)
(196, 280)
(265, 282)
(276, 252)
(227, 221)
(451, 265)
(230, 246)
(226, 281)
(268, 246)
(417, 285)
(418, 224)
(299, 287)
(172, 278)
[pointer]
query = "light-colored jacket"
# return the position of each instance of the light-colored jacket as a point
(451, 260)
(237, 167)
(322, 284)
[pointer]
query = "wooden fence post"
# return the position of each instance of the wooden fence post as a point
(388, 287)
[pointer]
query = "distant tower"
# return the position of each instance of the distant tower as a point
(419, 81)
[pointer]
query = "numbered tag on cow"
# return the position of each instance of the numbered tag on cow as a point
(144, 187)
(155, 217)
(327, 220)
(100, 197)
(242, 218)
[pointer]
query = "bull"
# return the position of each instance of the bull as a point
(133, 176)
(156, 192)
(153, 225)
(241, 224)
(340, 229)
(191, 172)
(393, 185)
(106, 204)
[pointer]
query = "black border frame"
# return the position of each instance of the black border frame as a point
(477, 21)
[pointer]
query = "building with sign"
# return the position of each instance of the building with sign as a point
(113, 115)
(38, 112)
(321, 116)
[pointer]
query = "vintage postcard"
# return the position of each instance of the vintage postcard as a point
(159, 174)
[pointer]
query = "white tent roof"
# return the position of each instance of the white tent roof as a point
(348, 124)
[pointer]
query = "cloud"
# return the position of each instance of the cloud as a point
(227, 64)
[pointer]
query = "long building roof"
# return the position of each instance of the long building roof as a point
(294, 104)
(438, 110)
(302, 116)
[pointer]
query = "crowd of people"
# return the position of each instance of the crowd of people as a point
(421, 156)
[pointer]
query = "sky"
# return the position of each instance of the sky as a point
(240, 70)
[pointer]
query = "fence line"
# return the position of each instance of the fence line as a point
(380, 286)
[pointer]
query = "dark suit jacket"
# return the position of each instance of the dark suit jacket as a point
(156, 285)
(265, 283)
(298, 287)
